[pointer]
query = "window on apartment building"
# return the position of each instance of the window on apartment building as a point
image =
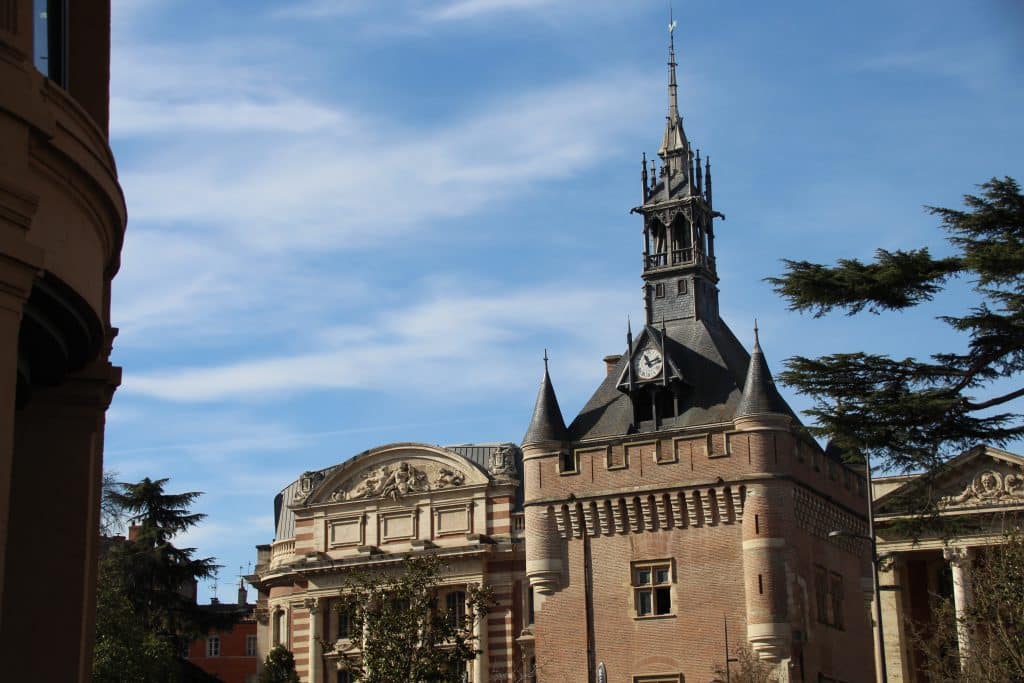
(250, 645)
(455, 608)
(652, 588)
(213, 646)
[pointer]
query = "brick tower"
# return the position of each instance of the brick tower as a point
(684, 498)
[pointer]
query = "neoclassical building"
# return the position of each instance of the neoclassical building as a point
(461, 503)
(982, 491)
(683, 500)
(62, 224)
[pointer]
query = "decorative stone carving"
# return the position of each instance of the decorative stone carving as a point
(262, 615)
(447, 478)
(308, 482)
(988, 487)
(502, 461)
(385, 482)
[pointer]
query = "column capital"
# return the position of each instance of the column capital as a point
(312, 605)
(958, 556)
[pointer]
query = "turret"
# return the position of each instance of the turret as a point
(761, 405)
(545, 451)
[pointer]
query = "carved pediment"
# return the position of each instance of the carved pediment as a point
(991, 486)
(397, 471)
(399, 479)
(979, 478)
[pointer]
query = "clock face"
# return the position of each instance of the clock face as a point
(648, 364)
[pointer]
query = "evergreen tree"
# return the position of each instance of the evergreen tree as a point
(146, 612)
(156, 574)
(912, 414)
(279, 667)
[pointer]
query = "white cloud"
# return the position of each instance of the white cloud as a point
(470, 9)
(444, 345)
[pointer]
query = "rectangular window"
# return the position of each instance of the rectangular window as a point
(344, 676)
(455, 608)
(213, 646)
(821, 594)
(836, 595)
(529, 605)
(49, 39)
(250, 645)
(652, 589)
(659, 290)
(344, 622)
(681, 287)
(567, 463)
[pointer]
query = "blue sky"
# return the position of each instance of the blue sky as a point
(354, 222)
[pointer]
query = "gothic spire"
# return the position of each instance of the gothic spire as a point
(673, 142)
(547, 423)
(759, 393)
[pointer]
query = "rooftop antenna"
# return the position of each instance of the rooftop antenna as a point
(216, 598)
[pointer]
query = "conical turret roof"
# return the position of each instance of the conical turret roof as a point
(759, 393)
(547, 423)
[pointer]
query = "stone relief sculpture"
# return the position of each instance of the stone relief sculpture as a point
(447, 478)
(307, 482)
(502, 460)
(988, 487)
(385, 482)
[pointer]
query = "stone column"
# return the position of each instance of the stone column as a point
(20, 263)
(890, 580)
(313, 606)
(54, 524)
(963, 595)
(480, 666)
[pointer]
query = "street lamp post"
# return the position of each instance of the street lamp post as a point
(870, 537)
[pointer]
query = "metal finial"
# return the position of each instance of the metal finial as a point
(545, 360)
(757, 340)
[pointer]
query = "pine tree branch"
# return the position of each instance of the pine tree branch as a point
(999, 400)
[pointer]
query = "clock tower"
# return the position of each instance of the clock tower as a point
(685, 499)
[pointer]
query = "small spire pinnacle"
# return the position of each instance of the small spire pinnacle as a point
(757, 341)
(545, 360)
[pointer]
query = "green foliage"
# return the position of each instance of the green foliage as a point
(407, 637)
(125, 650)
(154, 571)
(145, 612)
(994, 622)
(279, 667)
(913, 414)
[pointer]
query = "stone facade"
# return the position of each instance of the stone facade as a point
(62, 223)
(982, 491)
(459, 503)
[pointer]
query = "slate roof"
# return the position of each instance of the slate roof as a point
(759, 393)
(547, 423)
(714, 364)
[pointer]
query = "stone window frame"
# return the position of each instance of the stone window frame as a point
(681, 287)
(575, 456)
(653, 565)
(250, 645)
(213, 646)
(659, 290)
